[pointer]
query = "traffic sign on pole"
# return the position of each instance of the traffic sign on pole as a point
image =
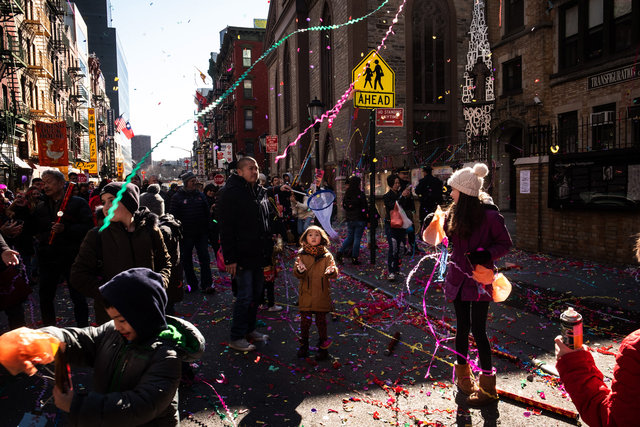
(376, 85)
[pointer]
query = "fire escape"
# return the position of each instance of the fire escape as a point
(14, 114)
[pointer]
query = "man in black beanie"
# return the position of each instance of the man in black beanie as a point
(133, 239)
(136, 357)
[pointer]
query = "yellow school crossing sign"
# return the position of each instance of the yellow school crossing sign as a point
(374, 83)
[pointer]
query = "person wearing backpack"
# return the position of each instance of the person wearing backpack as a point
(133, 239)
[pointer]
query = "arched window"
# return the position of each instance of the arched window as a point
(429, 32)
(429, 46)
(286, 87)
(326, 58)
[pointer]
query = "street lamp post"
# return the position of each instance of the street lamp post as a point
(316, 109)
(262, 139)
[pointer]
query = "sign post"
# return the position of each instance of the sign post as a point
(374, 85)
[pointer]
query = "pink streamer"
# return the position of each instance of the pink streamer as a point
(333, 112)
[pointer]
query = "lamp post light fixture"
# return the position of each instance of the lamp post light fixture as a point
(316, 109)
(262, 140)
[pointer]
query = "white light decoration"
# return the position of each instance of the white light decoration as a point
(477, 90)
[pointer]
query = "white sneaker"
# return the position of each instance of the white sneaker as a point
(275, 308)
(242, 345)
(392, 276)
(257, 336)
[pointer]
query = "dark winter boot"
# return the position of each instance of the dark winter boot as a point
(322, 354)
(303, 351)
(339, 258)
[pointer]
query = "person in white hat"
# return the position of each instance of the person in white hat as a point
(478, 236)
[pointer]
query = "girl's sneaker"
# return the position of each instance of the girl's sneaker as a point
(275, 308)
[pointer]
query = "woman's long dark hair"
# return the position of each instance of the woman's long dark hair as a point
(465, 216)
(354, 186)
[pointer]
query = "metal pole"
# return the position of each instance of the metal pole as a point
(316, 137)
(372, 185)
(539, 182)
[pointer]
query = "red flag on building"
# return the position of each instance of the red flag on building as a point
(52, 144)
(201, 100)
(127, 131)
(123, 126)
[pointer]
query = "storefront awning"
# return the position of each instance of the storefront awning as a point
(17, 162)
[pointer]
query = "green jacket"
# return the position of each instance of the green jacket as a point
(119, 250)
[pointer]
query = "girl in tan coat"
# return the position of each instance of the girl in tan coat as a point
(314, 266)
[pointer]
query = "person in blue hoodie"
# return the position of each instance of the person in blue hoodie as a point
(136, 357)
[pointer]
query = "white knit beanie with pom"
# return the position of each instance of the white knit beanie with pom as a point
(469, 180)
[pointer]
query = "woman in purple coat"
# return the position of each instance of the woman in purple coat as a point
(477, 235)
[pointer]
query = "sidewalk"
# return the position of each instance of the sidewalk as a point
(607, 296)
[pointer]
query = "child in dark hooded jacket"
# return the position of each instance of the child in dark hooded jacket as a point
(136, 357)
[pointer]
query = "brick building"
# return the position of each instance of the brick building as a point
(427, 53)
(242, 117)
(565, 138)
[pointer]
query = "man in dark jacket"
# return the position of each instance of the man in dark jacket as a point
(430, 192)
(190, 207)
(246, 245)
(136, 357)
(55, 258)
(131, 240)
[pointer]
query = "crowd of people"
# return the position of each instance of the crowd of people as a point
(52, 232)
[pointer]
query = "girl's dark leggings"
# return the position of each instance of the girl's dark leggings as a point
(472, 315)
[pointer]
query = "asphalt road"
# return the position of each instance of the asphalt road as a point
(359, 385)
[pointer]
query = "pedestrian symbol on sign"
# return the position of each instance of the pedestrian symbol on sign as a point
(370, 79)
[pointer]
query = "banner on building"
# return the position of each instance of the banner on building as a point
(227, 154)
(120, 171)
(201, 171)
(91, 167)
(93, 136)
(52, 143)
(110, 124)
(272, 144)
(112, 156)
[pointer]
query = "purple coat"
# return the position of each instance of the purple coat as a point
(492, 236)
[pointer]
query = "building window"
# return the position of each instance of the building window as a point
(246, 57)
(326, 58)
(603, 127)
(247, 86)
(514, 16)
(429, 28)
(286, 87)
(633, 113)
(248, 148)
(592, 30)
(248, 119)
(512, 76)
(623, 24)
(568, 132)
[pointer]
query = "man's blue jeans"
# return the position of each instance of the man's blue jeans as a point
(245, 309)
(354, 235)
(201, 243)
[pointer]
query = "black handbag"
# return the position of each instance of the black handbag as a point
(14, 286)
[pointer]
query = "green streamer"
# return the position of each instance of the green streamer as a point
(229, 91)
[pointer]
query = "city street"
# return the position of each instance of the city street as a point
(360, 385)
